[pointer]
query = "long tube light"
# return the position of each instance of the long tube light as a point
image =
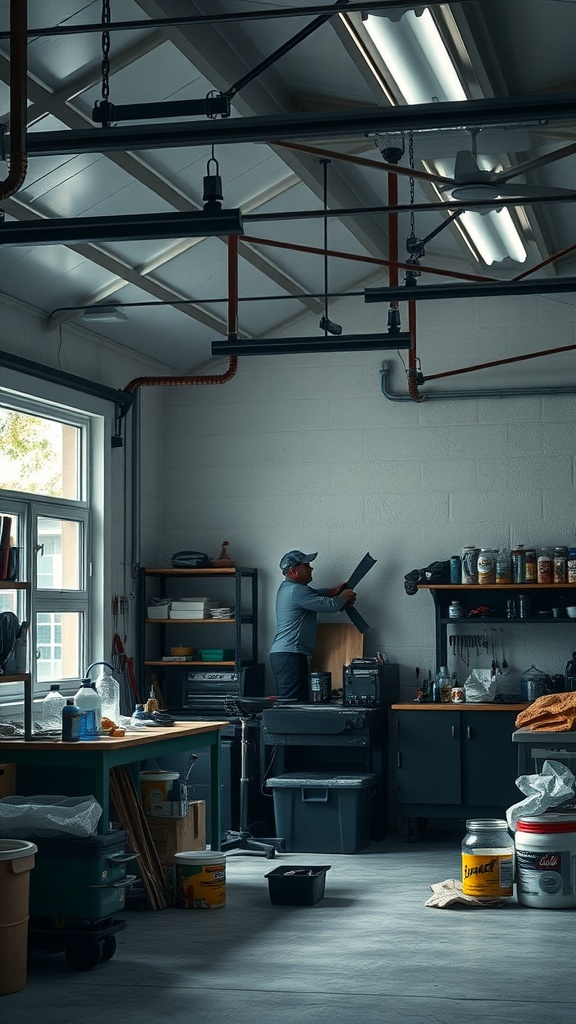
(232, 346)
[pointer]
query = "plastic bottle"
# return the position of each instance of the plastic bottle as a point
(503, 566)
(108, 689)
(455, 610)
(570, 673)
(87, 700)
(71, 722)
(52, 709)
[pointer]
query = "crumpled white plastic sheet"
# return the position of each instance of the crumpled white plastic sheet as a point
(552, 787)
(48, 816)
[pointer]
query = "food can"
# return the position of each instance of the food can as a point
(546, 861)
(487, 859)
(469, 558)
(518, 560)
(486, 566)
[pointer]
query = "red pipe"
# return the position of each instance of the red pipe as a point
(500, 362)
(206, 378)
(544, 263)
(18, 72)
(377, 261)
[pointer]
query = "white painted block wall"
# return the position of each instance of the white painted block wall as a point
(306, 452)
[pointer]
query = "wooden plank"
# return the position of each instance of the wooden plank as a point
(337, 644)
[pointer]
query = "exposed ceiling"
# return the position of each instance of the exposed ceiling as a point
(515, 67)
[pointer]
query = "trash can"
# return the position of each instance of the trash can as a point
(16, 863)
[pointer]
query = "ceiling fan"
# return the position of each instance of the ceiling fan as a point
(471, 182)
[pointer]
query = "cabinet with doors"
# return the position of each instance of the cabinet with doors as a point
(545, 603)
(454, 761)
(225, 647)
(15, 599)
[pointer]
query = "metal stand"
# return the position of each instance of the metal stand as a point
(242, 839)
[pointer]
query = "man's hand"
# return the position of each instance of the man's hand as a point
(336, 591)
(348, 595)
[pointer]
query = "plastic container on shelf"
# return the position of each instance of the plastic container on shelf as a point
(52, 706)
(71, 722)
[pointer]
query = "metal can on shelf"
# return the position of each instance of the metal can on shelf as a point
(455, 569)
(571, 565)
(518, 562)
(531, 566)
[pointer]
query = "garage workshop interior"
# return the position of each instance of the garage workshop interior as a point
(287, 511)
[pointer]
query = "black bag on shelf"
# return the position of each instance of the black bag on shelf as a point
(190, 560)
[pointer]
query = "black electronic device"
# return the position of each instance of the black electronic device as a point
(367, 683)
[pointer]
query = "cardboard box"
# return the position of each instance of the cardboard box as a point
(177, 835)
(7, 780)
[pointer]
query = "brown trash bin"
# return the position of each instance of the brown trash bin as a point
(16, 863)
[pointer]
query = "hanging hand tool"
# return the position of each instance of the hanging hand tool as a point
(359, 573)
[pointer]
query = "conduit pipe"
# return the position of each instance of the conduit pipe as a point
(187, 380)
(18, 163)
(499, 392)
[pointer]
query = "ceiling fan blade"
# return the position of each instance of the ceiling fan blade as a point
(539, 161)
(530, 191)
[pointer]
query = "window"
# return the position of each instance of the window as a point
(46, 489)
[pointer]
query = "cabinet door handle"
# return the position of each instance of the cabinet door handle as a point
(398, 760)
(468, 732)
(453, 732)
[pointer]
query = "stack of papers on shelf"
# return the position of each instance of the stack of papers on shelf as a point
(191, 608)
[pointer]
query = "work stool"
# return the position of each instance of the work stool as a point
(248, 709)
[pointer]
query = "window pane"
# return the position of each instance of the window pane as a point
(39, 455)
(58, 646)
(59, 554)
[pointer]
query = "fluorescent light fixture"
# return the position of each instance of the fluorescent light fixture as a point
(102, 314)
(416, 57)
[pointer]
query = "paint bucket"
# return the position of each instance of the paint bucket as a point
(199, 880)
(155, 787)
(16, 863)
(320, 687)
(546, 861)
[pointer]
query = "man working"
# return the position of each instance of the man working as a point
(297, 605)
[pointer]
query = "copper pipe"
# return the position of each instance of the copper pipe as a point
(544, 263)
(379, 165)
(206, 378)
(18, 72)
(412, 374)
(500, 362)
(377, 261)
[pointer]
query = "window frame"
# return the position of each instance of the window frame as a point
(95, 418)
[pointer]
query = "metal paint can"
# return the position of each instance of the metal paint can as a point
(486, 566)
(455, 569)
(320, 687)
(546, 861)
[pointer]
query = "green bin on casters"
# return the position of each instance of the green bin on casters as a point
(322, 812)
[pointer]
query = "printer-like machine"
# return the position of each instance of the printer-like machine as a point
(368, 682)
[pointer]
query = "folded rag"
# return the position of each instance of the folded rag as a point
(554, 712)
(450, 891)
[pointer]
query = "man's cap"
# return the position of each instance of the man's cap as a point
(292, 558)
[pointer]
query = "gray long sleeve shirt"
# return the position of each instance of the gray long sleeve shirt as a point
(297, 605)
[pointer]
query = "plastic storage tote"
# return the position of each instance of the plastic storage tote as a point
(322, 812)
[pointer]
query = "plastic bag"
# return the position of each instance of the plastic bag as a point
(552, 787)
(48, 816)
(480, 686)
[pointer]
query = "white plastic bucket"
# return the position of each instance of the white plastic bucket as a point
(154, 788)
(200, 880)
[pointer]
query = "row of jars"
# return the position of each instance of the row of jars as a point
(518, 565)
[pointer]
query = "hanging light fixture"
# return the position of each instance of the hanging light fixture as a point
(326, 324)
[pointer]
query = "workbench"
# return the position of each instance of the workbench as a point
(76, 769)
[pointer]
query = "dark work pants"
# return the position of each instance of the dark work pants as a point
(291, 674)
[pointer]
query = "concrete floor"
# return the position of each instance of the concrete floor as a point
(370, 952)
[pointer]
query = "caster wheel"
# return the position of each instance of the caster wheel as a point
(84, 956)
(108, 944)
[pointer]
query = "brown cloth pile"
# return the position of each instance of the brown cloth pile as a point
(555, 712)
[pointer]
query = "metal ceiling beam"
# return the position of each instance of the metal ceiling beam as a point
(288, 346)
(126, 228)
(539, 286)
(261, 14)
(554, 107)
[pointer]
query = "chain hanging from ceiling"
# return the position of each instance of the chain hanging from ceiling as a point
(106, 18)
